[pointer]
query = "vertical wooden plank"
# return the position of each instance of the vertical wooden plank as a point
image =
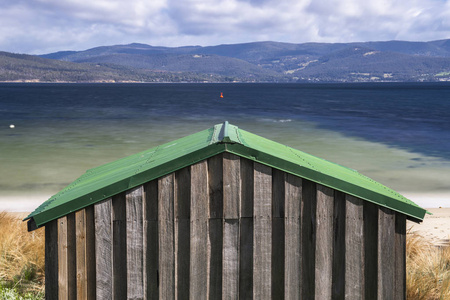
(262, 246)
(230, 286)
(400, 256)
(90, 253)
(151, 240)
(215, 181)
(246, 259)
(182, 263)
(215, 226)
(80, 232)
(166, 237)
(182, 193)
(71, 257)
(231, 208)
(354, 252)
(246, 188)
(338, 284)
(278, 259)
(231, 185)
(278, 180)
(119, 247)
(324, 242)
(63, 292)
(278, 247)
(370, 250)
(51, 260)
(308, 242)
(293, 198)
(103, 249)
(151, 200)
(215, 245)
(134, 242)
(246, 231)
(182, 232)
(386, 253)
(199, 231)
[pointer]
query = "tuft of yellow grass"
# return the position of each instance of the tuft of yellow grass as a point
(22, 254)
(427, 269)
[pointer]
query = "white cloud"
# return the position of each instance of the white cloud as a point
(41, 26)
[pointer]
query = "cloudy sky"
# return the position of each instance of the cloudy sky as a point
(43, 26)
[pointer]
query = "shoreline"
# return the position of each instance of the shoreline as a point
(435, 228)
(29, 202)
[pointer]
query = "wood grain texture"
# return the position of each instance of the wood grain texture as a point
(246, 188)
(215, 254)
(338, 280)
(182, 258)
(166, 237)
(354, 251)
(182, 194)
(308, 242)
(370, 250)
(63, 283)
(278, 259)
(103, 249)
(324, 242)
(400, 256)
(134, 243)
(278, 187)
(293, 198)
(262, 246)
(215, 181)
(278, 233)
(80, 231)
(246, 259)
(386, 253)
(231, 186)
(51, 260)
(119, 247)
(182, 232)
(71, 257)
(199, 231)
(91, 276)
(230, 273)
(151, 243)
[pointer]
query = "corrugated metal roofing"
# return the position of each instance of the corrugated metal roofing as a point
(105, 181)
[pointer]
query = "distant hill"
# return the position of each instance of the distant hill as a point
(29, 68)
(248, 62)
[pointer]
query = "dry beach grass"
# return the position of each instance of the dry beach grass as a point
(22, 260)
(22, 255)
(427, 269)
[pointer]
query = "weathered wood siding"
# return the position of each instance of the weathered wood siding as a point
(227, 228)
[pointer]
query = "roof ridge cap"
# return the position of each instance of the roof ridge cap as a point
(222, 133)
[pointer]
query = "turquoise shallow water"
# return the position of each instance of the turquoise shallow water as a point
(60, 131)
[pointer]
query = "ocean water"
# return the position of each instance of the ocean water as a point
(395, 133)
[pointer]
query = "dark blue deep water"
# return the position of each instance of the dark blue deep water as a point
(409, 116)
(395, 133)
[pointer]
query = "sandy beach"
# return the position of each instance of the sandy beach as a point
(435, 227)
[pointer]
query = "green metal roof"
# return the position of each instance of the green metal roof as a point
(110, 179)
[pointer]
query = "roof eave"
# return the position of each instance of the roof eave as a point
(40, 219)
(415, 212)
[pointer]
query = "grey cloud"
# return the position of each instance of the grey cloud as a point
(40, 26)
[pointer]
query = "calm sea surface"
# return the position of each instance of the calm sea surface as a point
(398, 134)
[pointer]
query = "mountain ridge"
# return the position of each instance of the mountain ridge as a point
(265, 61)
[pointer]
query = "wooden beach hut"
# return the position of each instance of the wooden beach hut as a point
(224, 214)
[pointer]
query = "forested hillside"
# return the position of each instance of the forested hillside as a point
(249, 62)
